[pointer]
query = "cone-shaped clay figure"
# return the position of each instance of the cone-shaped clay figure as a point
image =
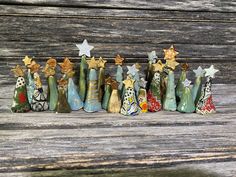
(107, 93)
(169, 102)
(205, 104)
(119, 73)
(62, 103)
(129, 105)
(114, 104)
(20, 102)
(142, 96)
(73, 97)
(186, 104)
(152, 57)
(84, 50)
(180, 87)
(92, 103)
(49, 71)
(30, 84)
(197, 86)
(154, 92)
(101, 78)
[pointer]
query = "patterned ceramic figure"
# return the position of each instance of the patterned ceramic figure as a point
(20, 102)
(180, 87)
(62, 103)
(114, 104)
(142, 96)
(186, 104)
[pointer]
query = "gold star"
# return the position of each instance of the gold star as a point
(158, 67)
(137, 66)
(101, 62)
(184, 66)
(92, 64)
(27, 60)
(34, 67)
(108, 80)
(119, 60)
(170, 53)
(62, 82)
(52, 62)
(70, 74)
(172, 64)
(18, 71)
(129, 83)
(66, 66)
(48, 71)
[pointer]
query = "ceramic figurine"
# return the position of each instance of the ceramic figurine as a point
(119, 73)
(101, 78)
(30, 84)
(49, 71)
(197, 86)
(73, 96)
(62, 103)
(20, 102)
(39, 102)
(130, 105)
(114, 104)
(205, 104)
(186, 104)
(180, 87)
(152, 57)
(154, 92)
(142, 96)
(137, 78)
(169, 102)
(84, 50)
(92, 103)
(107, 93)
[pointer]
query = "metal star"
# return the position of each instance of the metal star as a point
(27, 60)
(143, 83)
(101, 62)
(84, 48)
(199, 71)
(170, 53)
(132, 70)
(211, 71)
(152, 56)
(158, 67)
(92, 64)
(186, 83)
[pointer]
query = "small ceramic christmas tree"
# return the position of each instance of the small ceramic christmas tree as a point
(114, 104)
(180, 86)
(197, 87)
(152, 57)
(20, 102)
(101, 77)
(186, 104)
(205, 104)
(107, 93)
(119, 73)
(92, 103)
(142, 96)
(84, 51)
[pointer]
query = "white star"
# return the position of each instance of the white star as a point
(199, 71)
(84, 48)
(211, 71)
(132, 70)
(152, 56)
(143, 83)
(186, 83)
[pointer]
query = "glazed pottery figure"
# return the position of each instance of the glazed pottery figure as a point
(142, 96)
(114, 104)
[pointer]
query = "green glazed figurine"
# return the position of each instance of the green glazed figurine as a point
(180, 87)
(101, 78)
(107, 93)
(152, 57)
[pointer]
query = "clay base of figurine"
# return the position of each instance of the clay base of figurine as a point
(20, 109)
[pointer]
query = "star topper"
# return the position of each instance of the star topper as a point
(101, 62)
(170, 53)
(92, 64)
(211, 71)
(129, 83)
(119, 60)
(152, 56)
(186, 83)
(132, 70)
(27, 60)
(199, 71)
(158, 67)
(84, 48)
(143, 83)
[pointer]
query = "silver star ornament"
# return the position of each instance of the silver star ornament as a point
(84, 48)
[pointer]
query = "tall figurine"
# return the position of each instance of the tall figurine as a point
(101, 77)
(30, 80)
(20, 102)
(197, 86)
(130, 105)
(107, 94)
(114, 104)
(152, 57)
(62, 103)
(205, 104)
(137, 78)
(84, 51)
(186, 104)
(49, 71)
(39, 102)
(180, 86)
(92, 103)
(169, 102)
(119, 73)
(142, 96)
(154, 92)
(73, 97)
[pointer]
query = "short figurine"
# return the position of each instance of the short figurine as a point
(197, 86)
(114, 104)
(130, 105)
(186, 104)
(49, 71)
(84, 51)
(154, 92)
(73, 96)
(152, 57)
(107, 93)
(142, 96)
(92, 103)
(180, 86)
(101, 77)
(20, 102)
(205, 104)
(39, 102)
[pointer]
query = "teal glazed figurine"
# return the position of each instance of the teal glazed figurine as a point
(180, 87)
(73, 97)
(92, 103)
(20, 102)
(152, 57)
(107, 93)
(30, 84)
(186, 104)
(49, 71)
(84, 50)
(197, 86)
(130, 106)
(119, 73)
(205, 104)
(142, 96)
(101, 78)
